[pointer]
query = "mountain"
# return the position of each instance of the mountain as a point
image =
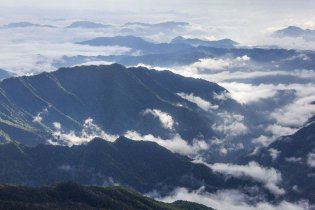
(173, 55)
(294, 31)
(294, 156)
(143, 166)
(26, 24)
(87, 24)
(73, 196)
(223, 43)
(136, 43)
(5, 74)
(113, 99)
(125, 41)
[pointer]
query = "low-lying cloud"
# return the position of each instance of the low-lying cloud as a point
(203, 104)
(89, 132)
(175, 144)
(269, 177)
(166, 120)
(230, 124)
(230, 199)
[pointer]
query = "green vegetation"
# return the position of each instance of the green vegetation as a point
(73, 196)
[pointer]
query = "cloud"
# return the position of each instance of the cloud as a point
(176, 144)
(274, 154)
(297, 113)
(166, 120)
(243, 58)
(203, 104)
(39, 117)
(230, 124)
(247, 93)
(88, 133)
(269, 177)
(210, 63)
(229, 199)
(263, 140)
(30, 50)
(311, 160)
(96, 63)
(278, 130)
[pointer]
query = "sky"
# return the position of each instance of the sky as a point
(246, 21)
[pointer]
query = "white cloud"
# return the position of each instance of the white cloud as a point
(175, 144)
(88, 133)
(263, 140)
(96, 63)
(279, 130)
(230, 124)
(247, 93)
(243, 58)
(30, 50)
(39, 117)
(57, 125)
(222, 96)
(229, 199)
(297, 113)
(166, 120)
(311, 160)
(210, 63)
(274, 154)
(270, 177)
(203, 104)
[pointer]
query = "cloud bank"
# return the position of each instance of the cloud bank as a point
(270, 177)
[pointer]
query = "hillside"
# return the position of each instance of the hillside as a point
(73, 196)
(115, 98)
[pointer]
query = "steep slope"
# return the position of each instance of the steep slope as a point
(118, 99)
(144, 166)
(73, 196)
(294, 156)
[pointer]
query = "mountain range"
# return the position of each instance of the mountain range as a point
(32, 105)
(181, 52)
(143, 166)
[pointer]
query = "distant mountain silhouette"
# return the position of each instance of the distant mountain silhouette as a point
(136, 43)
(294, 31)
(223, 43)
(87, 24)
(26, 24)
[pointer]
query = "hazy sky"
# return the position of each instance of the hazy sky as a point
(255, 14)
(246, 21)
